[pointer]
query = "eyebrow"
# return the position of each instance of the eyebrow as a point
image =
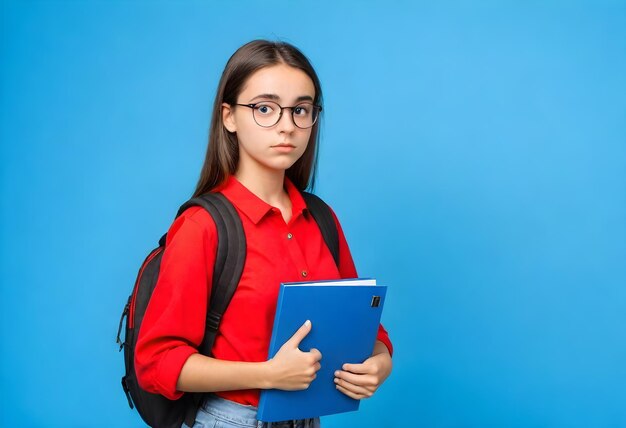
(275, 97)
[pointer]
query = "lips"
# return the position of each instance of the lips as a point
(284, 148)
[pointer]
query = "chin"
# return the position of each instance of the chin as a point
(282, 163)
(282, 166)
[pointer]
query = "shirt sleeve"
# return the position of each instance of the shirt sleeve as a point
(347, 269)
(174, 322)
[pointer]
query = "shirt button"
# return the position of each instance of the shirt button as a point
(304, 273)
(289, 236)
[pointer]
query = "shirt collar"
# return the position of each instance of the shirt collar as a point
(253, 206)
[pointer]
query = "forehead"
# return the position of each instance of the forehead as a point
(287, 82)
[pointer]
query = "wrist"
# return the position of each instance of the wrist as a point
(380, 348)
(266, 375)
(384, 364)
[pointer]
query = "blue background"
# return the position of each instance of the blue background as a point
(475, 153)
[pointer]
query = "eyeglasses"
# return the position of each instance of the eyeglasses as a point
(268, 113)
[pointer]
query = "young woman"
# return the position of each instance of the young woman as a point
(261, 154)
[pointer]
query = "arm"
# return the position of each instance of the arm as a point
(166, 359)
(362, 380)
(290, 369)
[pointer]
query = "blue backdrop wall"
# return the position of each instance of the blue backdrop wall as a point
(474, 151)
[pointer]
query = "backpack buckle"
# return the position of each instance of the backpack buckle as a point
(124, 315)
(213, 320)
(127, 392)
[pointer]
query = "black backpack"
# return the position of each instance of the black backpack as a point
(156, 410)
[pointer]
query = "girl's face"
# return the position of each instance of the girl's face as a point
(279, 146)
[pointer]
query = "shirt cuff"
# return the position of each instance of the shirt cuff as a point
(169, 370)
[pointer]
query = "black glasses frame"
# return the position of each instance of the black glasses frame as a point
(318, 109)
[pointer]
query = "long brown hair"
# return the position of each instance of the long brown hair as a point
(222, 154)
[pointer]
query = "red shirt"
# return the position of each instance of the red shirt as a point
(174, 322)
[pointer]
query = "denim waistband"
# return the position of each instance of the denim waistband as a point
(230, 410)
(245, 416)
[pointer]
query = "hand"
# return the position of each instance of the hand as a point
(361, 381)
(291, 369)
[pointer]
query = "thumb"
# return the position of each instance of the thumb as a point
(300, 334)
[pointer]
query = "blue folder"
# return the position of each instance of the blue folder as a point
(345, 315)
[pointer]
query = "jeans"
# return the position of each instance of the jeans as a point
(217, 412)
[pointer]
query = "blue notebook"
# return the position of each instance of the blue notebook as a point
(345, 315)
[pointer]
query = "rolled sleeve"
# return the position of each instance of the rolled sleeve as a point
(383, 336)
(169, 368)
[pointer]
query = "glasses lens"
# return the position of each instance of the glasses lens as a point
(304, 115)
(266, 113)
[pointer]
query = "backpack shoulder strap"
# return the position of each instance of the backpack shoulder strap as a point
(324, 218)
(229, 260)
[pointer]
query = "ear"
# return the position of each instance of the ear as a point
(228, 118)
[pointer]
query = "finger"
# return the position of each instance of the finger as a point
(357, 379)
(300, 334)
(357, 368)
(317, 354)
(355, 389)
(350, 392)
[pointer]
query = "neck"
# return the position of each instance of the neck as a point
(267, 184)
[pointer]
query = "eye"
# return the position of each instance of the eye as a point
(264, 108)
(302, 110)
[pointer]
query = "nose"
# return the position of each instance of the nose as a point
(286, 123)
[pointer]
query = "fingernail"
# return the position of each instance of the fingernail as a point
(307, 323)
(337, 373)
